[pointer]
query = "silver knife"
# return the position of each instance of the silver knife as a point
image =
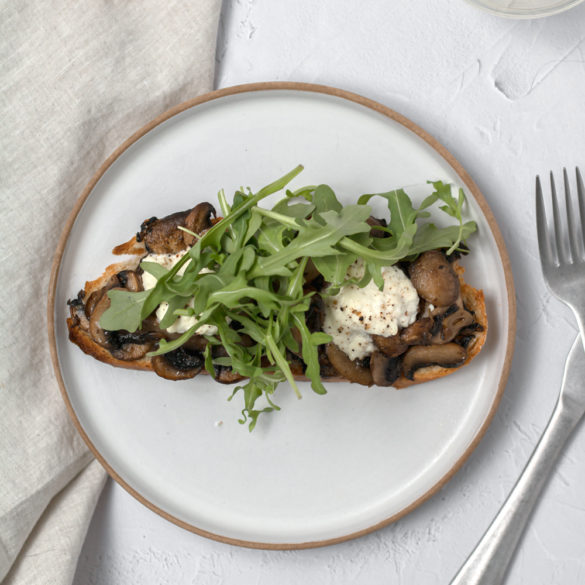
(488, 563)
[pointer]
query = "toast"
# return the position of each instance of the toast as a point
(442, 339)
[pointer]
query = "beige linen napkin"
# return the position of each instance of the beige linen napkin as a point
(76, 79)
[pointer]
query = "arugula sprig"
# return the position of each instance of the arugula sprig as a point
(245, 276)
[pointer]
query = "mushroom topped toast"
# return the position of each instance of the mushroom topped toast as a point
(309, 289)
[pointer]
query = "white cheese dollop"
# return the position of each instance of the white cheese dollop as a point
(182, 323)
(355, 314)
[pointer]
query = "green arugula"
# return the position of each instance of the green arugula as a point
(249, 269)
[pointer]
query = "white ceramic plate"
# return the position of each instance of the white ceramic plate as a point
(325, 468)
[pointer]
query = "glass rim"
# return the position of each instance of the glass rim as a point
(525, 13)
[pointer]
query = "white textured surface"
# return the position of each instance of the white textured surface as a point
(506, 98)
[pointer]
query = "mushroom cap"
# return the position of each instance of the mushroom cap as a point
(434, 279)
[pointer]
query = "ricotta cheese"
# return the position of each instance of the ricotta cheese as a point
(182, 323)
(355, 314)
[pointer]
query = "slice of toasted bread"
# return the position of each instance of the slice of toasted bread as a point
(136, 248)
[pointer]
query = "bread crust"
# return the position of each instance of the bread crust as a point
(472, 298)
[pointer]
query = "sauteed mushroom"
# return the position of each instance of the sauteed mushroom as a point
(163, 236)
(419, 332)
(225, 375)
(391, 346)
(129, 346)
(95, 329)
(374, 222)
(198, 220)
(385, 370)
(455, 319)
(93, 300)
(130, 280)
(180, 364)
(352, 370)
(77, 311)
(326, 370)
(434, 278)
(448, 355)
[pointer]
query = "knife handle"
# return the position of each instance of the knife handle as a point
(488, 563)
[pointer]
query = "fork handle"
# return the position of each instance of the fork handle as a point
(488, 563)
(580, 316)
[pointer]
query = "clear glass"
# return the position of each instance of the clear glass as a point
(525, 8)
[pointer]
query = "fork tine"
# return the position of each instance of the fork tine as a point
(561, 254)
(573, 243)
(544, 242)
(581, 199)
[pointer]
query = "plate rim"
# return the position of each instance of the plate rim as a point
(315, 89)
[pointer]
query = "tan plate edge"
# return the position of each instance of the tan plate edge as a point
(312, 88)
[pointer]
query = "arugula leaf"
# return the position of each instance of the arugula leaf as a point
(170, 316)
(153, 268)
(325, 200)
(310, 355)
(124, 311)
(316, 240)
(430, 237)
(334, 267)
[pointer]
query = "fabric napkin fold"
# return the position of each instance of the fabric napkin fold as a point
(77, 80)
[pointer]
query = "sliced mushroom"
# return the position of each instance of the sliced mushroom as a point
(296, 364)
(464, 339)
(448, 355)
(434, 278)
(132, 351)
(77, 311)
(129, 346)
(224, 374)
(351, 370)
(448, 321)
(95, 329)
(93, 300)
(130, 280)
(180, 364)
(96, 295)
(418, 333)
(197, 221)
(151, 324)
(315, 314)
(452, 324)
(385, 370)
(326, 370)
(162, 236)
(467, 334)
(391, 346)
(374, 222)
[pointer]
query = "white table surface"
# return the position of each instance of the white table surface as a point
(507, 98)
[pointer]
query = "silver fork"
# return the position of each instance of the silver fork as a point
(562, 255)
(562, 252)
